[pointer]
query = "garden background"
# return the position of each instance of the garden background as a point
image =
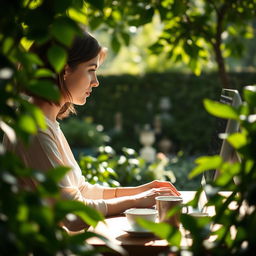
(195, 48)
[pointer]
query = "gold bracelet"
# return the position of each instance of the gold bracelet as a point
(115, 192)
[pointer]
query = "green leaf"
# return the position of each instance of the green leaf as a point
(163, 230)
(78, 15)
(237, 140)
(27, 124)
(86, 213)
(205, 163)
(22, 213)
(57, 173)
(28, 59)
(250, 94)
(64, 30)
(25, 43)
(33, 58)
(57, 57)
(43, 72)
(7, 44)
(45, 89)
(220, 110)
(39, 117)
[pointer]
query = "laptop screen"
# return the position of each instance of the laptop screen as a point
(220, 146)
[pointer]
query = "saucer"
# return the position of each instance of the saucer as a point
(142, 233)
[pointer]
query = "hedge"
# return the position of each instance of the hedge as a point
(138, 97)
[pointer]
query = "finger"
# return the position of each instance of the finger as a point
(169, 184)
(170, 189)
(174, 189)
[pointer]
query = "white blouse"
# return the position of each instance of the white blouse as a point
(48, 149)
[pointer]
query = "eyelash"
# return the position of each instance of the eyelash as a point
(92, 70)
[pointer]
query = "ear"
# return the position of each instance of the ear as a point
(67, 71)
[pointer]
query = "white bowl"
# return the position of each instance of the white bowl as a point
(145, 213)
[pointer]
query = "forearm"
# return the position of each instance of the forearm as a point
(124, 191)
(119, 205)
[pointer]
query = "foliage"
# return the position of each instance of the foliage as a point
(232, 226)
(181, 165)
(83, 133)
(189, 121)
(192, 31)
(126, 169)
(29, 222)
(136, 58)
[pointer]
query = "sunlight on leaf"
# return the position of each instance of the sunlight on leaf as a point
(43, 72)
(205, 163)
(25, 43)
(220, 110)
(27, 124)
(78, 15)
(237, 140)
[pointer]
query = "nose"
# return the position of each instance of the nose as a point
(95, 82)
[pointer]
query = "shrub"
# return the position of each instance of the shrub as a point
(232, 227)
(83, 133)
(138, 98)
(128, 169)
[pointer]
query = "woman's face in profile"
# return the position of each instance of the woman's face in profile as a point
(81, 80)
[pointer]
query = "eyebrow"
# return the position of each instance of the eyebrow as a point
(93, 64)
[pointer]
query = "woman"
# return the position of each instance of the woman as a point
(50, 149)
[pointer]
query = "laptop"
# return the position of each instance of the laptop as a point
(219, 145)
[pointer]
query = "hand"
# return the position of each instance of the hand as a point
(147, 198)
(164, 184)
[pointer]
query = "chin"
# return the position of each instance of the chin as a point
(79, 102)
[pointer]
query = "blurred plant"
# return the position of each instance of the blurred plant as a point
(127, 169)
(232, 227)
(192, 91)
(97, 169)
(192, 32)
(161, 169)
(181, 165)
(29, 223)
(29, 220)
(83, 133)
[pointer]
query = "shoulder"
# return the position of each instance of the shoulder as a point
(52, 130)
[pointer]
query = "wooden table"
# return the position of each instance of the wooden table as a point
(114, 227)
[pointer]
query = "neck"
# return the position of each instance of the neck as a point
(50, 110)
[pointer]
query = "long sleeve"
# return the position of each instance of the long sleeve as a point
(50, 149)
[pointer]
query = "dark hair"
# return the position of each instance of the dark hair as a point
(84, 48)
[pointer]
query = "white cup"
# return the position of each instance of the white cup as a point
(145, 213)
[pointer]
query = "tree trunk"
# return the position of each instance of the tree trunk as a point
(221, 67)
(221, 12)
